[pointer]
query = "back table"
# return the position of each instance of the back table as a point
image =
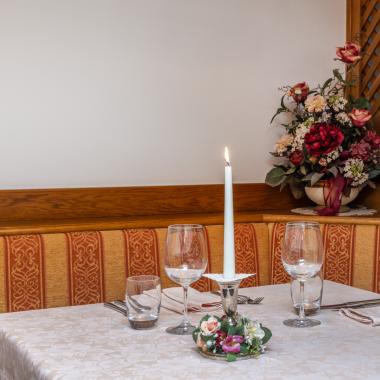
(93, 342)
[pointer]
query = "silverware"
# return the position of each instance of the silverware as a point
(352, 304)
(243, 300)
(115, 307)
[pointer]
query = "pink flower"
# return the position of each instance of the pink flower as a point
(359, 117)
(232, 343)
(361, 150)
(210, 326)
(373, 139)
(299, 92)
(349, 53)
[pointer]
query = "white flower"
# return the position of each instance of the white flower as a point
(299, 137)
(337, 103)
(324, 118)
(283, 143)
(343, 118)
(253, 330)
(354, 169)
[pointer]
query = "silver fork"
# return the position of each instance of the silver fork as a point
(251, 301)
(245, 299)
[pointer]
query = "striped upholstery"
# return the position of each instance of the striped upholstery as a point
(50, 270)
(352, 254)
(61, 269)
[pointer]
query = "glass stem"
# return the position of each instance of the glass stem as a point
(302, 304)
(186, 321)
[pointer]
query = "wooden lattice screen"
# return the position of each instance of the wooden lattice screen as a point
(363, 27)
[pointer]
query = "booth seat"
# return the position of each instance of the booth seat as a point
(75, 268)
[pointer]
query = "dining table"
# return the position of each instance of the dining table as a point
(91, 342)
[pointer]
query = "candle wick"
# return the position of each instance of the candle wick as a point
(228, 163)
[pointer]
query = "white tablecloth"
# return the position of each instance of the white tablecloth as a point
(93, 342)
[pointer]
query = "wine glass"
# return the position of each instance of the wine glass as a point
(302, 256)
(185, 262)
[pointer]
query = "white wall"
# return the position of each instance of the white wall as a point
(139, 92)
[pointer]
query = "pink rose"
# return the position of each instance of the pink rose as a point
(359, 117)
(349, 53)
(299, 92)
(210, 326)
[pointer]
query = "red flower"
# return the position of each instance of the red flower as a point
(299, 92)
(373, 139)
(296, 157)
(359, 117)
(349, 53)
(323, 138)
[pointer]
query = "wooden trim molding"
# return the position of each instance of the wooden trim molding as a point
(127, 202)
(95, 209)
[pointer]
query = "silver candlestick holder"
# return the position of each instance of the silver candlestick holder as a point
(229, 293)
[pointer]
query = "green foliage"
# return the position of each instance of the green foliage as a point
(268, 335)
(275, 177)
(361, 103)
(231, 357)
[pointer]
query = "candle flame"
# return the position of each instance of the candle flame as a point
(227, 156)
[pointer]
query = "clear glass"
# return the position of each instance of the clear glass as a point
(143, 301)
(302, 257)
(313, 291)
(185, 262)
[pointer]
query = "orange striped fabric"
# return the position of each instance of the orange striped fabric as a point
(141, 252)
(246, 253)
(278, 274)
(24, 272)
(85, 263)
(376, 282)
(339, 242)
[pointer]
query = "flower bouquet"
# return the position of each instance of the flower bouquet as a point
(328, 137)
(216, 339)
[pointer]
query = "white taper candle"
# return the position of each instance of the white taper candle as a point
(229, 245)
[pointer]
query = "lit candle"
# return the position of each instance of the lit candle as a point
(229, 246)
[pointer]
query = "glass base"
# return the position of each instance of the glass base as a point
(182, 329)
(301, 322)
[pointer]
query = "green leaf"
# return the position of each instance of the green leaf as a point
(326, 84)
(275, 177)
(303, 170)
(224, 325)
(361, 103)
(291, 170)
(279, 110)
(315, 177)
(231, 357)
(296, 188)
(334, 171)
(373, 173)
(338, 75)
(268, 335)
(282, 102)
(244, 348)
(195, 334)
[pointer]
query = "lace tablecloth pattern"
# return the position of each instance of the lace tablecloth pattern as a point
(92, 342)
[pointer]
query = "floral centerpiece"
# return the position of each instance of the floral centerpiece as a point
(215, 337)
(328, 136)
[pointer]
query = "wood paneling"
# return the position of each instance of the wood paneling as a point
(68, 210)
(58, 204)
(363, 27)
